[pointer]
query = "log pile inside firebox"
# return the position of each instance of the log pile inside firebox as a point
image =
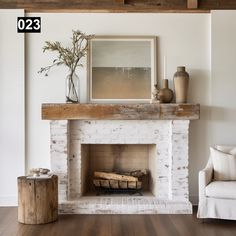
(132, 180)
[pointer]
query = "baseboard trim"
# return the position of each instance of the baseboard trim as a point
(8, 200)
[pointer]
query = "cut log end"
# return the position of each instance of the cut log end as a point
(117, 184)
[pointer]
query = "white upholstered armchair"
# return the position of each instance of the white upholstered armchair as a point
(217, 192)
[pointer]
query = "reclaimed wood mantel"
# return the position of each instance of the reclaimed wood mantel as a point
(65, 111)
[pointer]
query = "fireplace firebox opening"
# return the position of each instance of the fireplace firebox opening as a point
(117, 158)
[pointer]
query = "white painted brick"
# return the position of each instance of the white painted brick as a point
(171, 139)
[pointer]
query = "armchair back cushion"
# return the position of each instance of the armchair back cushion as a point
(224, 164)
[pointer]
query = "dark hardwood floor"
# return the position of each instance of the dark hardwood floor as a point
(117, 225)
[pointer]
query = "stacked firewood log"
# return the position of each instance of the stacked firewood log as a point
(113, 180)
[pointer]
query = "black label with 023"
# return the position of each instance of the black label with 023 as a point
(29, 24)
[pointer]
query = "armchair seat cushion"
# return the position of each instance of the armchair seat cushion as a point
(221, 189)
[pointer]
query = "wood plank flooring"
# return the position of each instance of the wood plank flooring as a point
(117, 225)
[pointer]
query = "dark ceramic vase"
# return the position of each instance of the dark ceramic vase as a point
(166, 94)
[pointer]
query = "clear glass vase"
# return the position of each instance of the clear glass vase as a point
(72, 88)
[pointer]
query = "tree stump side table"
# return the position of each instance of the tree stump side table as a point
(37, 200)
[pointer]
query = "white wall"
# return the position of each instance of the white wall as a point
(201, 42)
(223, 95)
(12, 128)
(183, 38)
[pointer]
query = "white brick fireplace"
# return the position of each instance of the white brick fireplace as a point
(169, 192)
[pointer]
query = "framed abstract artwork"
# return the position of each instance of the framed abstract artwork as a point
(121, 68)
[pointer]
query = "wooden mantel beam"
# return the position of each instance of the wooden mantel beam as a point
(192, 4)
(146, 111)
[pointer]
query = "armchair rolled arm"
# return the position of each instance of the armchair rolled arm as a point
(205, 177)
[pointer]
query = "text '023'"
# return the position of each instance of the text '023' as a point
(29, 24)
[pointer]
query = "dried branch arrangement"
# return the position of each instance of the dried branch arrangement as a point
(68, 56)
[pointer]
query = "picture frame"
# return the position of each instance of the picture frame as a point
(121, 69)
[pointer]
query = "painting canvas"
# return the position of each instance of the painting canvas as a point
(122, 69)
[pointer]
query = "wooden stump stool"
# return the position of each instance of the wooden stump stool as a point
(37, 200)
